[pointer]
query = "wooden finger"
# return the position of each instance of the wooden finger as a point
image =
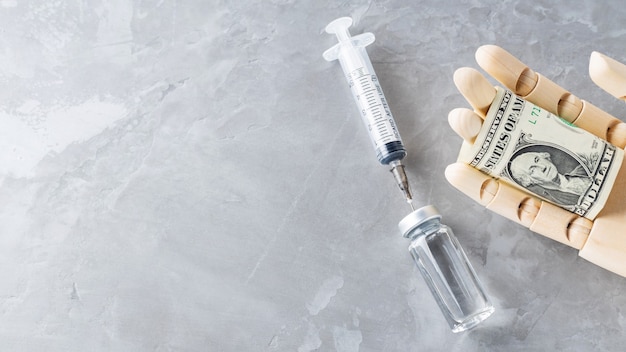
(476, 89)
(507, 69)
(515, 204)
(602, 124)
(561, 225)
(541, 91)
(479, 187)
(500, 198)
(526, 83)
(465, 123)
(608, 74)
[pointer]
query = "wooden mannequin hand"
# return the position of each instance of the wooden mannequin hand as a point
(602, 240)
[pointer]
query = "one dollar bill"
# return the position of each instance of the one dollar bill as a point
(547, 156)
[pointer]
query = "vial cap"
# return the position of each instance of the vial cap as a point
(416, 218)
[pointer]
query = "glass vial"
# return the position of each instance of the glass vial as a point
(445, 268)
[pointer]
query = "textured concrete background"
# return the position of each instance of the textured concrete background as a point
(193, 176)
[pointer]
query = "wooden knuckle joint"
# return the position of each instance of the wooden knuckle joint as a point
(556, 223)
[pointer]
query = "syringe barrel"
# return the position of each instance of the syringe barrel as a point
(367, 92)
(372, 105)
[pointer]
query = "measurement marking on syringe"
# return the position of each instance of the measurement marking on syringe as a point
(374, 106)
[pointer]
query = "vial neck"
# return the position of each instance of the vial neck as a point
(426, 228)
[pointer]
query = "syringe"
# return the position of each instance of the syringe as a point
(369, 98)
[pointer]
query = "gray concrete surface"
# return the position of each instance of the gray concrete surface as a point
(193, 176)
